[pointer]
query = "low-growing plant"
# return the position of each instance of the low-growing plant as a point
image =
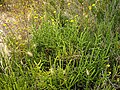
(65, 49)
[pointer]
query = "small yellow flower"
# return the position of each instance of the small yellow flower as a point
(108, 65)
(16, 43)
(71, 20)
(90, 7)
(41, 17)
(4, 25)
(52, 20)
(68, 4)
(53, 23)
(0, 5)
(35, 17)
(109, 73)
(54, 12)
(93, 5)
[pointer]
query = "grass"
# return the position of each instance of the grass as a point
(70, 46)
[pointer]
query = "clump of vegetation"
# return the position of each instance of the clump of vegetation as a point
(72, 45)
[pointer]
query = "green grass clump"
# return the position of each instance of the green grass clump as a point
(77, 51)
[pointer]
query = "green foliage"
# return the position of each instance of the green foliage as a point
(77, 51)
